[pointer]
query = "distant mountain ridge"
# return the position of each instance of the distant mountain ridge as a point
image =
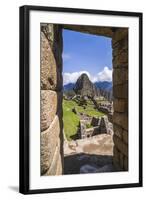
(68, 86)
(104, 85)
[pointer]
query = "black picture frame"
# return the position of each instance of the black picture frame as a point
(25, 105)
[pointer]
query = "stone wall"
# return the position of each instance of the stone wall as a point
(94, 30)
(120, 93)
(107, 109)
(51, 100)
(99, 125)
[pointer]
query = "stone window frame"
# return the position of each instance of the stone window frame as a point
(51, 82)
(24, 95)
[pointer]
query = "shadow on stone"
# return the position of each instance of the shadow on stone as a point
(88, 163)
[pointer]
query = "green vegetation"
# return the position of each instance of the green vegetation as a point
(89, 111)
(89, 126)
(71, 120)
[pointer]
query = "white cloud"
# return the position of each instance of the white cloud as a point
(104, 75)
(66, 56)
(72, 77)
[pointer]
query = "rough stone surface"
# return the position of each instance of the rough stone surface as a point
(104, 124)
(95, 121)
(120, 76)
(48, 65)
(118, 131)
(55, 162)
(121, 58)
(49, 140)
(48, 30)
(120, 46)
(120, 91)
(48, 108)
(91, 30)
(59, 169)
(51, 59)
(100, 125)
(120, 65)
(121, 119)
(116, 155)
(125, 136)
(122, 147)
(119, 34)
(51, 100)
(120, 105)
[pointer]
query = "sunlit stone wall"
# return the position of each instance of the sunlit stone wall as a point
(51, 100)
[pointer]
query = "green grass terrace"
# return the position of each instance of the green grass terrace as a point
(71, 120)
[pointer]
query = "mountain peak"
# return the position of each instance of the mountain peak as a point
(84, 76)
(85, 87)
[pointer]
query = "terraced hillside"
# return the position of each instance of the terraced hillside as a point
(71, 119)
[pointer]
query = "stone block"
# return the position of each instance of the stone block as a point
(122, 147)
(48, 65)
(48, 107)
(59, 170)
(110, 117)
(118, 131)
(120, 91)
(120, 46)
(50, 138)
(104, 124)
(48, 30)
(116, 159)
(103, 31)
(119, 34)
(51, 61)
(120, 105)
(55, 162)
(125, 136)
(120, 76)
(121, 119)
(121, 58)
(116, 154)
(120, 65)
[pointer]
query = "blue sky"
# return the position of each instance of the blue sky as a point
(86, 53)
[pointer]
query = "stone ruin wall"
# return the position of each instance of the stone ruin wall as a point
(51, 100)
(100, 126)
(120, 93)
(51, 95)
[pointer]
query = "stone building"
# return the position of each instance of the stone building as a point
(99, 125)
(51, 94)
